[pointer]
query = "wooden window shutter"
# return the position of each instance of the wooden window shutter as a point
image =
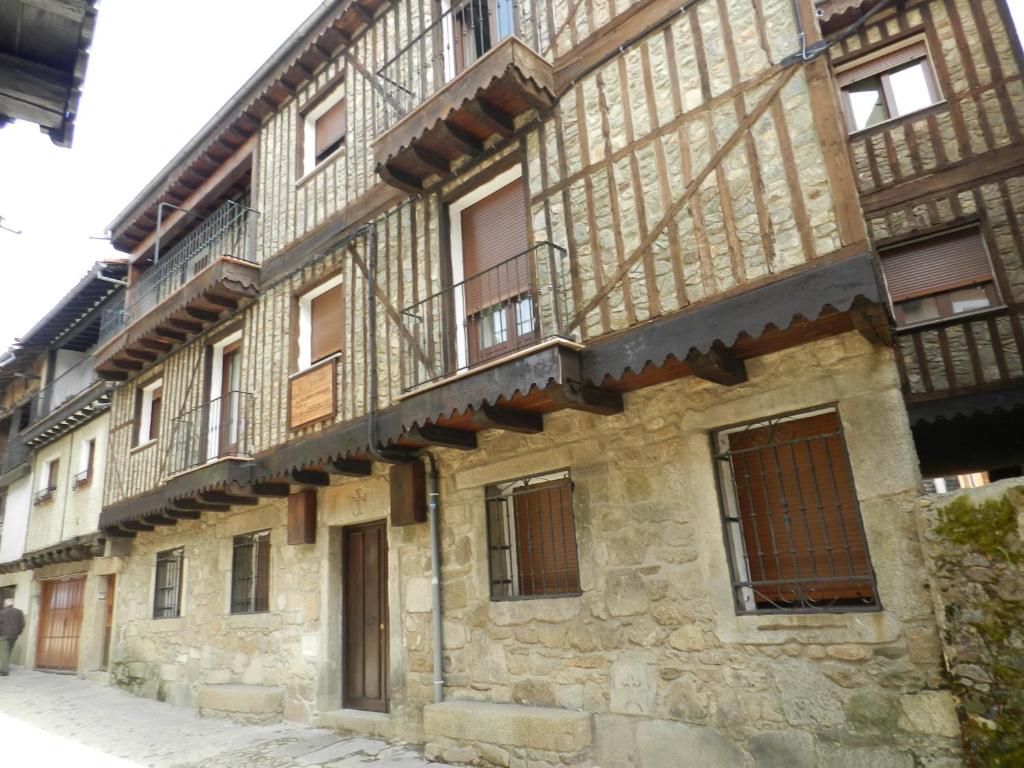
(331, 127)
(326, 324)
(935, 265)
(493, 232)
(546, 540)
(799, 511)
(884, 63)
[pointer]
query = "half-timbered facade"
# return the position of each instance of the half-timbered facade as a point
(519, 379)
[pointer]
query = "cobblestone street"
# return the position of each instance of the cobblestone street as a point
(56, 719)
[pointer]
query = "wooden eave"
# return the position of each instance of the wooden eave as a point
(73, 550)
(80, 409)
(221, 288)
(459, 120)
(303, 54)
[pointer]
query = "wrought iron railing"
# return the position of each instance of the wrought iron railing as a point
(513, 305)
(44, 495)
(228, 231)
(65, 387)
(217, 429)
(81, 479)
(449, 44)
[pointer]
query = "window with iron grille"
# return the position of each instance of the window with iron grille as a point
(791, 518)
(250, 573)
(167, 586)
(531, 538)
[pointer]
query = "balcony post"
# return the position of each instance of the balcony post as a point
(250, 236)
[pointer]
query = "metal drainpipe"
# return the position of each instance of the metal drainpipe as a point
(433, 497)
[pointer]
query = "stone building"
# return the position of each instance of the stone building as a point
(54, 427)
(530, 381)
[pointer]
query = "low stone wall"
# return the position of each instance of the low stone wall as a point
(976, 558)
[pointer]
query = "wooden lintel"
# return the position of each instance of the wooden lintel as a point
(309, 477)
(434, 162)
(445, 437)
(458, 139)
(202, 315)
(872, 322)
(220, 497)
(718, 364)
(267, 490)
(492, 117)
(583, 397)
(350, 467)
(159, 520)
(399, 179)
(493, 417)
(184, 514)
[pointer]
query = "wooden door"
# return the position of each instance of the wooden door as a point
(365, 617)
(108, 620)
(60, 623)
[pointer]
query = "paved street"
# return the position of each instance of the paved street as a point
(61, 720)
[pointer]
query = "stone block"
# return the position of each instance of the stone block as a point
(843, 756)
(932, 713)
(508, 725)
(625, 594)
(242, 699)
(808, 697)
(373, 724)
(664, 743)
(783, 749)
(634, 688)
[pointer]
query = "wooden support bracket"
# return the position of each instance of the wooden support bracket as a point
(493, 417)
(350, 467)
(159, 520)
(458, 139)
(309, 477)
(492, 117)
(202, 315)
(872, 322)
(184, 514)
(583, 397)
(272, 490)
(193, 505)
(138, 526)
(399, 179)
(445, 437)
(718, 364)
(221, 497)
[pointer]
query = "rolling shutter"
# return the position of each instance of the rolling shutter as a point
(935, 265)
(799, 512)
(885, 63)
(493, 232)
(546, 540)
(326, 324)
(330, 130)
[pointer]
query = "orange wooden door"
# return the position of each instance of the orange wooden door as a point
(60, 623)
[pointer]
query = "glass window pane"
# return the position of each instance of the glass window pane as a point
(867, 104)
(910, 89)
(969, 299)
(919, 310)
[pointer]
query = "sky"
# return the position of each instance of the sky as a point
(153, 80)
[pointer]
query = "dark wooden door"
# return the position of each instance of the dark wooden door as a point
(365, 617)
(60, 624)
(108, 620)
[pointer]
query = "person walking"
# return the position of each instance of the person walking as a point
(12, 623)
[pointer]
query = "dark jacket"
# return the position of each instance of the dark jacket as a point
(12, 622)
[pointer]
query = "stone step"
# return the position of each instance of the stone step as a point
(243, 703)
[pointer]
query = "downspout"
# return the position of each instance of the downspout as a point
(380, 454)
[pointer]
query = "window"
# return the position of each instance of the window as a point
(87, 457)
(167, 585)
(227, 415)
(147, 412)
(324, 127)
(939, 277)
(321, 326)
(250, 573)
(791, 518)
(477, 26)
(531, 538)
(890, 85)
(48, 481)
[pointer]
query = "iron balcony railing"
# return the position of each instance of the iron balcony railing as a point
(228, 231)
(65, 387)
(218, 429)
(456, 35)
(513, 305)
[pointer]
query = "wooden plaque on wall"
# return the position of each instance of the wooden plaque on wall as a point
(311, 395)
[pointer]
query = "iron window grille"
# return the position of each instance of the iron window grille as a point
(167, 590)
(44, 495)
(791, 519)
(531, 538)
(250, 573)
(82, 479)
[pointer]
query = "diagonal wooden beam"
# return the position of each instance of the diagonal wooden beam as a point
(718, 364)
(445, 437)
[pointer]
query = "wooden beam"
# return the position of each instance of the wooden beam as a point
(222, 497)
(872, 322)
(140, 354)
(434, 162)
(399, 179)
(350, 467)
(128, 365)
(718, 364)
(185, 325)
(136, 525)
(493, 417)
(583, 397)
(155, 344)
(221, 301)
(309, 477)
(170, 333)
(458, 139)
(184, 514)
(32, 91)
(159, 520)
(202, 315)
(492, 117)
(272, 490)
(445, 437)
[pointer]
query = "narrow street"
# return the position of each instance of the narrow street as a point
(61, 719)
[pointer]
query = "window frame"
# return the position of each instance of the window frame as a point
(145, 397)
(253, 540)
(44, 494)
(175, 555)
(86, 462)
(333, 95)
(889, 101)
(735, 548)
(992, 288)
(507, 491)
(305, 324)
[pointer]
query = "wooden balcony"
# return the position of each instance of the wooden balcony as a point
(436, 128)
